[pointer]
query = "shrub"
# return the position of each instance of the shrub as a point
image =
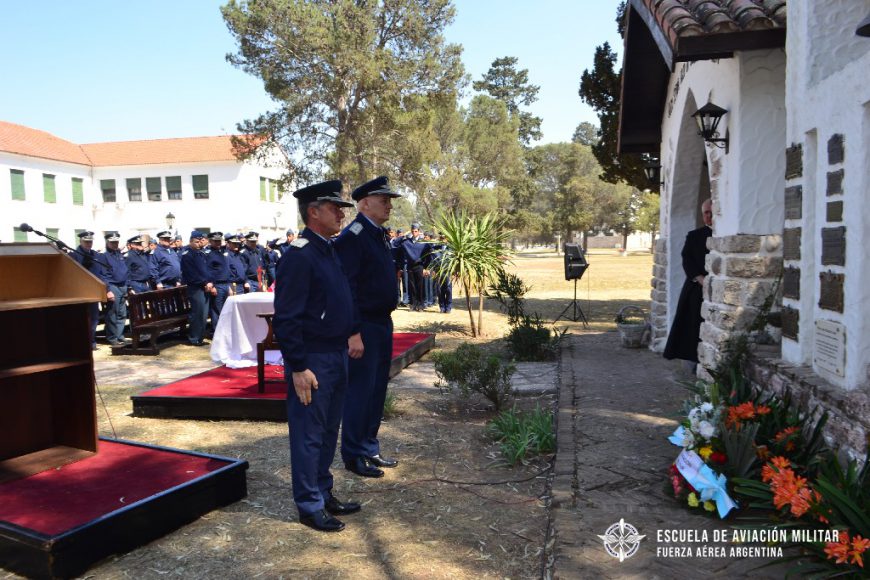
(470, 370)
(522, 434)
(509, 290)
(530, 340)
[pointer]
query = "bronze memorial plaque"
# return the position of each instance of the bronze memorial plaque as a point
(793, 201)
(791, 283)
(829, 352)
(834, 246)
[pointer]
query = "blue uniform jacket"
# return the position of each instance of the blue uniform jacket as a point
(165, 265)
(313, 304)
(89, 261)
(414, 251)
(138, 266)
(193, 270)
(371, 272)
(253, 259)
(115, 270)
(216, 266)
(236, 266)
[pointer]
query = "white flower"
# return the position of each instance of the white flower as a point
(706, 429)
(707, 407)
(688, 439)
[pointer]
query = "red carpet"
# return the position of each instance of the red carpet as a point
(119, 475)
(224, 382)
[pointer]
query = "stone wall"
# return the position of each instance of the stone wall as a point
(848, 423)
(742, 270)
(659, 297)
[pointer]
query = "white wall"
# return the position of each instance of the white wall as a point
(34, 211)
(827, 93)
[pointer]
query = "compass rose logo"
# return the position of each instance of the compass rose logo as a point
(621, 540)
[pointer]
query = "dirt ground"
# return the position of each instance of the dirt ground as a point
(452, 509)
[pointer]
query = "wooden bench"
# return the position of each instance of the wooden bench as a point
(155, 313)
(268, 343)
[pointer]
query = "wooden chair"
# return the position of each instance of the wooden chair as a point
(268, 343)
(154, 313)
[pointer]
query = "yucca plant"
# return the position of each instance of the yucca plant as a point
(477, 253)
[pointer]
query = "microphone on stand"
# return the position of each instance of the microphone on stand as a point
(60, 245)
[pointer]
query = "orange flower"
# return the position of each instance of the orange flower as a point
(739, 412)
(762, 452)
(768, 472)
(762, 410)
(838, 551)
(859, 546)
(800, 502)
(785, 436)
(788, 488)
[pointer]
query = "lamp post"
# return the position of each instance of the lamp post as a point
(170, 223)
(708, 118)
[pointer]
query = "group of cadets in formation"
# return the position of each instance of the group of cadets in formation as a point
(234, 263)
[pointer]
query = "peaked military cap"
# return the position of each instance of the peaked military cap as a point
(416, 226)
(137, 239)
(86, 236)
(377, 186)
(164, 234)
(324, 191)
(218, 236)
(233, 238)
(252, 236)
(112, 236)
(196, 235)
(291, 232)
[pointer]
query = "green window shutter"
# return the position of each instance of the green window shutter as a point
(173, 187)
(53, 232)
(154, 188)
(48, 188)
(17, 177)
(200, 186)
(76, 240)
(107, 186)
(273, 187)
(262, 189)
(19, 236)
(78, 191)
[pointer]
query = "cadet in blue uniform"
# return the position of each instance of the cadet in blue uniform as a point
(238, 281)
(313, 320)
(195, 276)
(166, 264)
(90, 259)
(252, 254)
(138, 266)
(443, 284)
(291, 235)
(115, 276)
(365, 253)
(219, 275)
(413, 251)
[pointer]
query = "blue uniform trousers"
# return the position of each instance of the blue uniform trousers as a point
(405, 298)
(140, 286)
(216, 302)
(367, 388)
(314, 430)
(116, 313)
(198, 314)
(445, 295)
(255, 285)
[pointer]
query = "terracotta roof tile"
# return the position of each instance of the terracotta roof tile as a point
(35, 143)
(183, 150)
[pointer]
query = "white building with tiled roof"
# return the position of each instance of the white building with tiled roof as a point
(61, 188)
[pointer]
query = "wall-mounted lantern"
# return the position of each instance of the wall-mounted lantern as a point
(170, 222)
(652, 168)
(708, 118)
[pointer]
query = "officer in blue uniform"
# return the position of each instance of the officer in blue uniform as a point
(219, 275)
(90, 259)
(194, 274)
(443, 284)
(255, 270)
(290, 236)
(364, 249)
(166, 263)
(115, 276)
(313, 321)
(238, 280)
(414, 253)
(138, 266)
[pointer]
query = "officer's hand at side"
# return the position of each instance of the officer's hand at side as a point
(159, 286)
(110, 295)
(355, 347)
(304, 382)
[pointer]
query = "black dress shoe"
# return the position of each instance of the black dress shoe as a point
(322, 522)
(362, 467)
(380, 461)
(339, 508)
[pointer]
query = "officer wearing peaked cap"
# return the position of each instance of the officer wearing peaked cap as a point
(166, 263)
(365, 253)
(238, 281)
(115, 276)
(255, 267)
(313, 320)
(194, 274)
(218, 270)
(138, 266)
(90, 260)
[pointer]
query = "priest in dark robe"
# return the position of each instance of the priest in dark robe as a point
(686, 328)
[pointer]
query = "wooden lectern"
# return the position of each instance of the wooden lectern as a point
(47, 404)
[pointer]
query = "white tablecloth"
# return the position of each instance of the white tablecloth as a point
(239, 330)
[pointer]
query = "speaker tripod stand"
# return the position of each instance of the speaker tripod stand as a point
(577, 312)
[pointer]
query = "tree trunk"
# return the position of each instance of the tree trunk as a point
(470, 309)
(480, 312)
